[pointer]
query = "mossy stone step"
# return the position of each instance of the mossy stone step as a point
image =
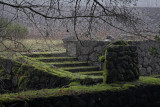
(69, 64)
(81, 69)
(45, 54)
(57, 59)
(92, 73)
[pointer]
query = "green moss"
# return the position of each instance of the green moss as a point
(118, 43)
(66, 62)
(40, 58)
(81, 67)
(23, 83)
(126, 86)
(76, 90)
(74, 84)
(102, 58)
(105, 71)
(2, 72)
(94, 72)
(26, 69)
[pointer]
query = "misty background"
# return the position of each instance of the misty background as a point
(148, 3)
(149, 11)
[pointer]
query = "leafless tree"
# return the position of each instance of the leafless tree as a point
(81, 17)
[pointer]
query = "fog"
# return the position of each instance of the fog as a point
(148, 3)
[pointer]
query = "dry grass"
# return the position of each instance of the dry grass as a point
(33, 45)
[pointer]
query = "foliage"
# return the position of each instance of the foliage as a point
(157, 38)
(3, 24)
(13, 30)
(16, 31)
(153, 51)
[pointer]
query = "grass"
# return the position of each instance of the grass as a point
(67, 62)
(81, 67)
(91, 72)
(77, 89)
(39, 58)
(33, 45)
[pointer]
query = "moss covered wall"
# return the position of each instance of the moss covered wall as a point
(121, 63)
(16, 76)
(142, 96)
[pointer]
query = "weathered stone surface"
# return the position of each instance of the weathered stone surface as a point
(146, 61)
(67, 39)
(140, 60)
(71, 49)
(143, 54)
(98, 64)
(99, 49)
(143, 71)
(70, 38)
(149, 70)
(93, 57)
(83, 58)
(157, 67)
(85, 50)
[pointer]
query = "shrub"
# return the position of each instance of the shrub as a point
(16, 31)
(3, 24)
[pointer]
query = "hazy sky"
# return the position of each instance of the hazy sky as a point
(149, 3)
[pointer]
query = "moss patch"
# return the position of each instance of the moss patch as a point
(118, 43)
(29, 73)
(76, 89)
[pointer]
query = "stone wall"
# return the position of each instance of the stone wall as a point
(88, 51)
(148, 63)
(92, 50)
(121, 63)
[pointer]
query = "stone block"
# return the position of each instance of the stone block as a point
(71, 49)
(85, 50)
(145, 62)
(93, 57)
(99, 49)
(143, 71)
(83, 58)
(149, 70)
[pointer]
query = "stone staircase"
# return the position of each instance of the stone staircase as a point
(71, 64)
